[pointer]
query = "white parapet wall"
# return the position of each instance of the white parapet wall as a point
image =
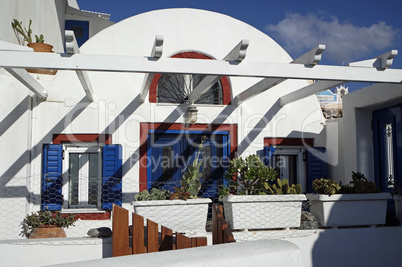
(254, 253)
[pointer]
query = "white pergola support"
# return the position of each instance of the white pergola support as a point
(135, 64)
(310, 58)
(72, 48)
(156, 53)
(21, 74)
(238, 53)
(383, 61)
(26, 79)
(259, 87)
(308, 90)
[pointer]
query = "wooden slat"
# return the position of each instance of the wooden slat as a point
(166, 239)
(201, 241)
(193, 242)
(182, 241)
(120, 232)
(214, 225)
(138, 234)
(228, 236)
(152, 236)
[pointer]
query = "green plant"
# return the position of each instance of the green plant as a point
(247, 176)
(24, 32)
(42, 217)
(190, 182)
(283, 187)
(325, 186)
(155, 194)
(181, 193)
(39, 39)
(359, 185)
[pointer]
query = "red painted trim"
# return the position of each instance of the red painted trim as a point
(145, 127)
(289, 141)
(91, 216)
(99, 138)
(226, 93)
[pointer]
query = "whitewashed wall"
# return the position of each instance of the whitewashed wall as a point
(116, 110)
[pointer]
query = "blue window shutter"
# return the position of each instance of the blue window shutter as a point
(52, 198)
(316, 167)
(111, 176)
(269, 151)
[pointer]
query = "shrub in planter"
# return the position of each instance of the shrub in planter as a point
(46, 224)
(252, 200)
(181, 210)
(359, 203)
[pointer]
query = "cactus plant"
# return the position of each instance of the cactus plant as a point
(283, 187)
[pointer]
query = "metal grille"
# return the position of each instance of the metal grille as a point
(175, 88)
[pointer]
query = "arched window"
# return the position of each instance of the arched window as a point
(175, 88)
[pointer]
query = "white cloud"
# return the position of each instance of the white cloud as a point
(344, 42)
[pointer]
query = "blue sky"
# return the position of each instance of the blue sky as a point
(352, 30)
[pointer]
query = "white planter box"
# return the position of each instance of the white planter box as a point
(263, 211)
(398, 206)
(184, 216)
(349, 209)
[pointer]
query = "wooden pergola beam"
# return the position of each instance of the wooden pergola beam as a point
(135, 64)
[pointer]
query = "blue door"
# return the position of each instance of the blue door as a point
(165, 161)
(387, 135)
(169, 154)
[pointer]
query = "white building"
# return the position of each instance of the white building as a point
(108, 111)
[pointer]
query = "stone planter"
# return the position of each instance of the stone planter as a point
(184, 216)
(349, 209)
(47, 231)
(398, 206)
(263, 211)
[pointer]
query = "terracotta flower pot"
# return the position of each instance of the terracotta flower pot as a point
(41, 47)
(47, 231)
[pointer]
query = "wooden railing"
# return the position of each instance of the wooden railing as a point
(146, 239)
(221, 232)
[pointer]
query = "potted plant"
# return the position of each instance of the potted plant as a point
(181, 210)
(25, 35)
(359, 203)
(251, 201)
(46, 224)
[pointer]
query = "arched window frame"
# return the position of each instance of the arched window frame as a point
(225, 84)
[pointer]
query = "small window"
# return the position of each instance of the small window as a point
(82, 177)
(289, 163)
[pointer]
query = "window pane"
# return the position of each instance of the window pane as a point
(93, 186)
(167, 164)
(73, 179)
